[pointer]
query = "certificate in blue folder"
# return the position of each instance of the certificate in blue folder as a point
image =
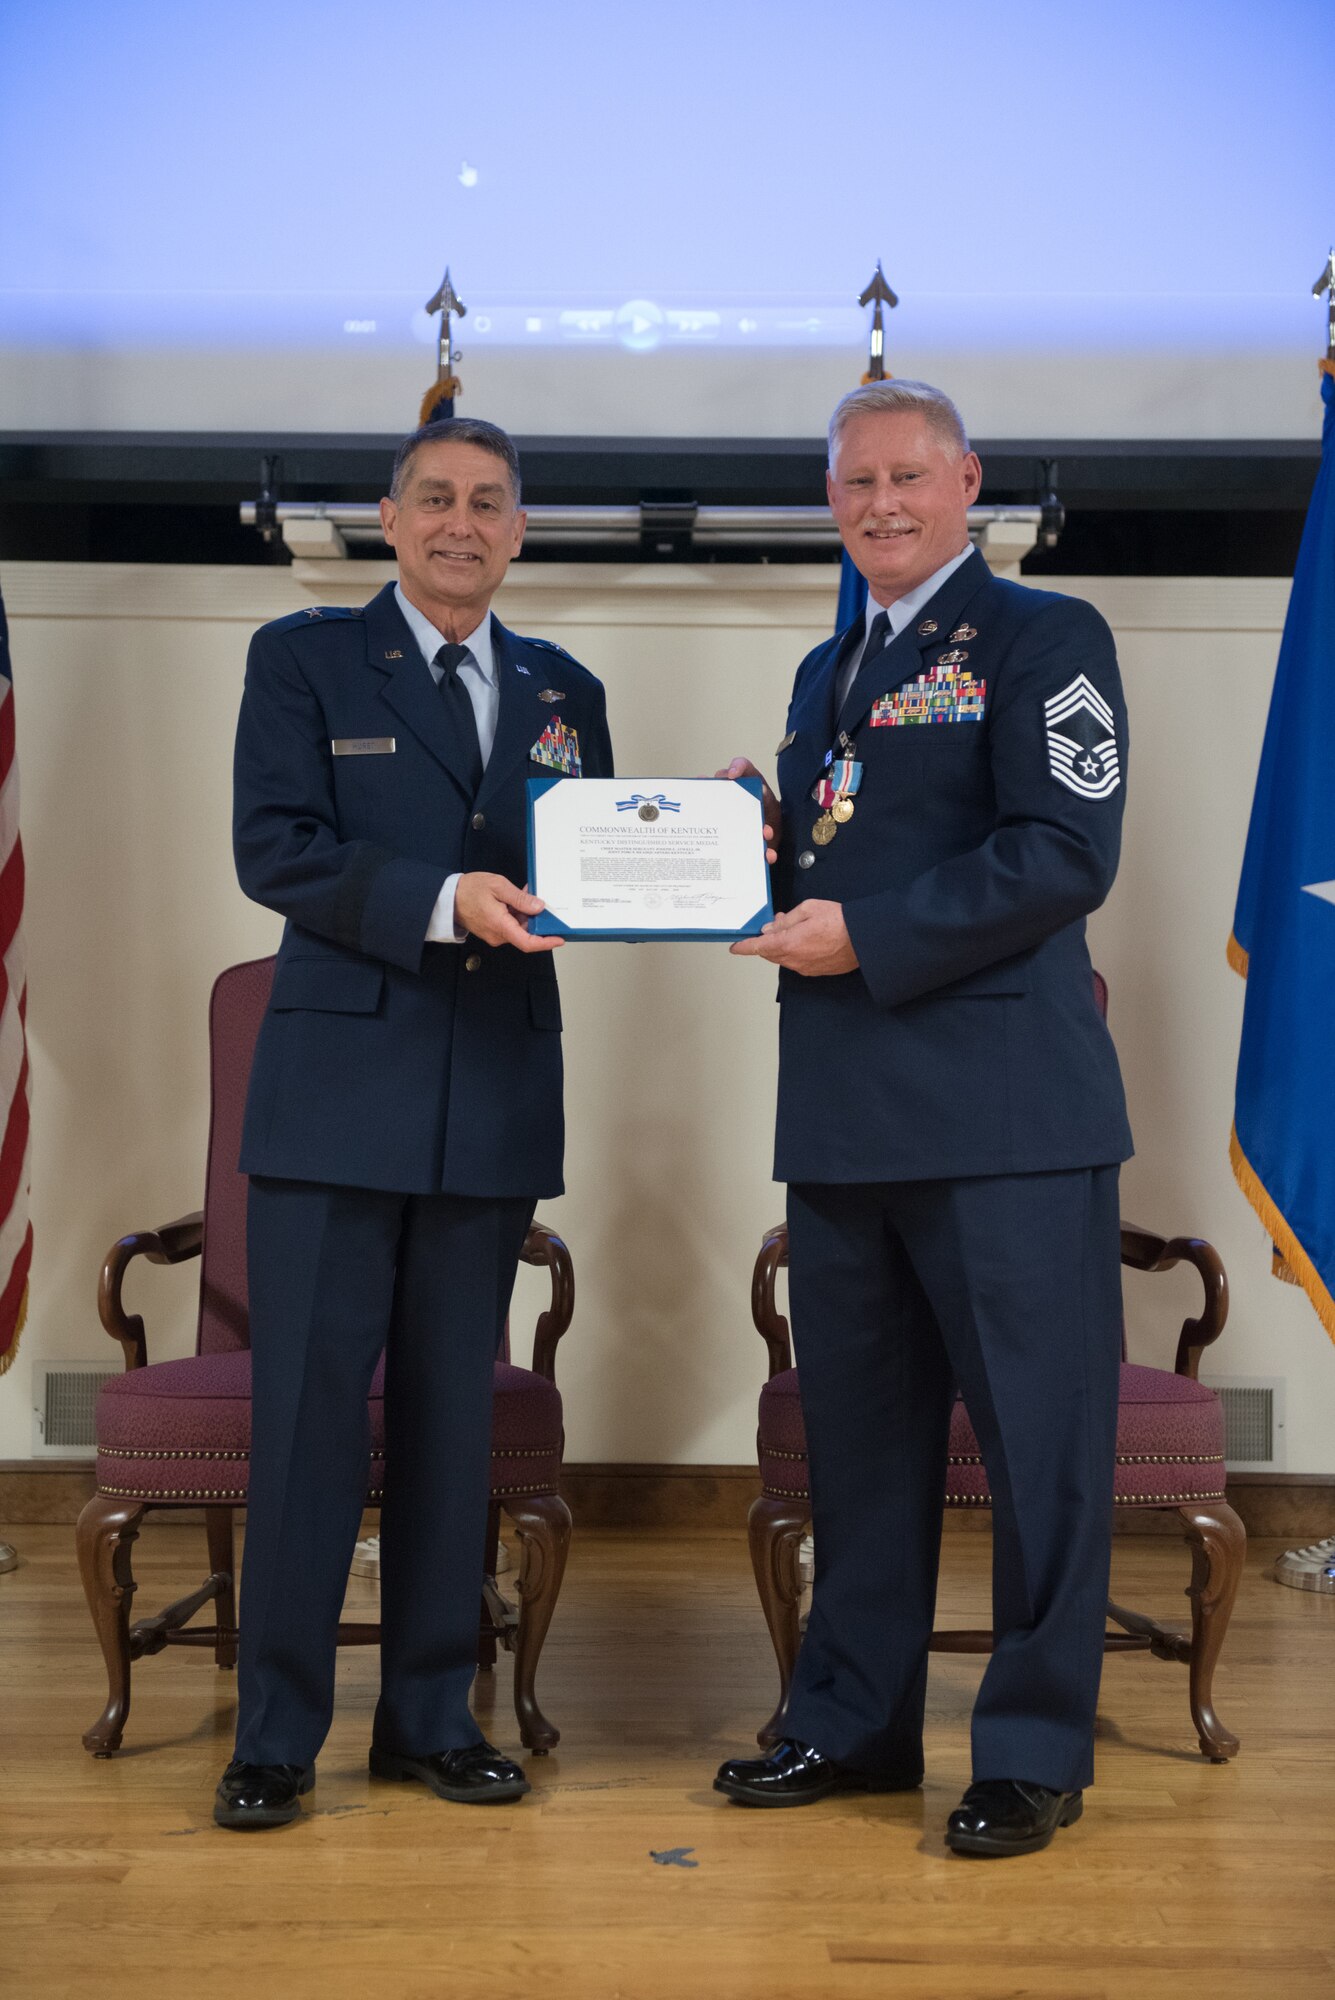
(648, 857)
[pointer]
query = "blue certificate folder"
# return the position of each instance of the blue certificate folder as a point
(631, 790)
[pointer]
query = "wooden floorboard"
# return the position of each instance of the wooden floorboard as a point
(1183, 1879)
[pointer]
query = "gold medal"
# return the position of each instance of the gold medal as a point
(824, 830)
(842, 810)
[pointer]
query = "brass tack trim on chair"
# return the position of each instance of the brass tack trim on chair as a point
(129, 1451)
(985, 1499)
(1127, 1458)
(174, 1493)
(238, 1493)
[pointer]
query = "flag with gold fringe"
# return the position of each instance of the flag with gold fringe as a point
(1283, 942)
(15, 1229)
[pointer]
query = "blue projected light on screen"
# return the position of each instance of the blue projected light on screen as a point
(1140, 188)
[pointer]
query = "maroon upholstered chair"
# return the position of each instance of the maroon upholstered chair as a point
(176, 1434)
(1170, 1457)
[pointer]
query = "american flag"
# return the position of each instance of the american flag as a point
(15, 1228)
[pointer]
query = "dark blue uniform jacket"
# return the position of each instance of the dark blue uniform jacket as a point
(383, 1061)
(968, 1041)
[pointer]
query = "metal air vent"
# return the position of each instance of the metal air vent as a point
(64, 1398)
(1253, 1422)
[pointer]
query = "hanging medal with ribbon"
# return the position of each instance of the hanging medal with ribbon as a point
(834, 793)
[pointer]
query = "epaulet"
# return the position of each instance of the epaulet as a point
(315, 614)
(548, 646)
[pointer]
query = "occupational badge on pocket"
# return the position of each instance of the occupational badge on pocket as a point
(1082, 753)
(557, 749)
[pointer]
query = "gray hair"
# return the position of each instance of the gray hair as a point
(455, 430)
(903, 398)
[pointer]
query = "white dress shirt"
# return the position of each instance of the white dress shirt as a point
(477, 671)
(902, 613)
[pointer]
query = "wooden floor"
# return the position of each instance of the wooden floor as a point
(1183, 1879)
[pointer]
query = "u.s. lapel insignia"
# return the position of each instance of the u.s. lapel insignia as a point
(926, 628)
(1086, 763)
(396, 654)
(551, 694)
(962, 633)
(521, 669)
(557, 749)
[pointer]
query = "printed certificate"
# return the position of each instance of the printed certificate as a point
(648, 857)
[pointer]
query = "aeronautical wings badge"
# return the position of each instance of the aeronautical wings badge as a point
(1082, 740)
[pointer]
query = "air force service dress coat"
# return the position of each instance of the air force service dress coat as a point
(992, 738)
(950, 1122)
(385, 1062)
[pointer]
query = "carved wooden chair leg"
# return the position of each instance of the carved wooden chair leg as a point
(775, 1529)
(542, 1523)
(1218, 1546)
(222, 1563)
(105, 1535)
(486, 1645)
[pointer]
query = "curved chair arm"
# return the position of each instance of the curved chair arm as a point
(1145, 1251)
(171, 1244)
(770, 1322)
(544, 1246)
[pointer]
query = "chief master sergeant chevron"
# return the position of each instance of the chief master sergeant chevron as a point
(404, 1112)
(950, 1125)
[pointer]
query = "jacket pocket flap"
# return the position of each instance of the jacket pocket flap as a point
(1009, 975)
(327, 987)
(544, 1003)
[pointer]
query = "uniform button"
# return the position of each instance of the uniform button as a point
(479, 821)
(473, 962)
(807, 858)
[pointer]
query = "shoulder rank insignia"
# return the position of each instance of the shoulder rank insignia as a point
(1082, 754)
(312, 613)
(549, 646)
(557, 749)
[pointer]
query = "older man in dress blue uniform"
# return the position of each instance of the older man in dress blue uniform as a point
(404, 1113)
(950, 1124)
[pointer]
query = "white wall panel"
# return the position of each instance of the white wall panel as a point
(127, 684)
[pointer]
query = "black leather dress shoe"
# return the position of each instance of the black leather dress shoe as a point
(793, 1774)
(476, 1776)
(1004, 1816)
(256, 1795)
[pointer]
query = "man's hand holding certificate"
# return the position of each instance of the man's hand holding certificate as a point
(648, 857)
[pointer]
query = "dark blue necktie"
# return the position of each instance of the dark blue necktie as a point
(876, 638)
(459, 708)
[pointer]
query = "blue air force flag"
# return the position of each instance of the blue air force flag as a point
(1283, 942)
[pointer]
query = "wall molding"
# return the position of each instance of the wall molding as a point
(731, 595)
(1299, 1507)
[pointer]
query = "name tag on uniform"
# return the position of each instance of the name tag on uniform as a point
(362, 746)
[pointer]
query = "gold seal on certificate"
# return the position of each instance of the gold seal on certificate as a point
(648, 857)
